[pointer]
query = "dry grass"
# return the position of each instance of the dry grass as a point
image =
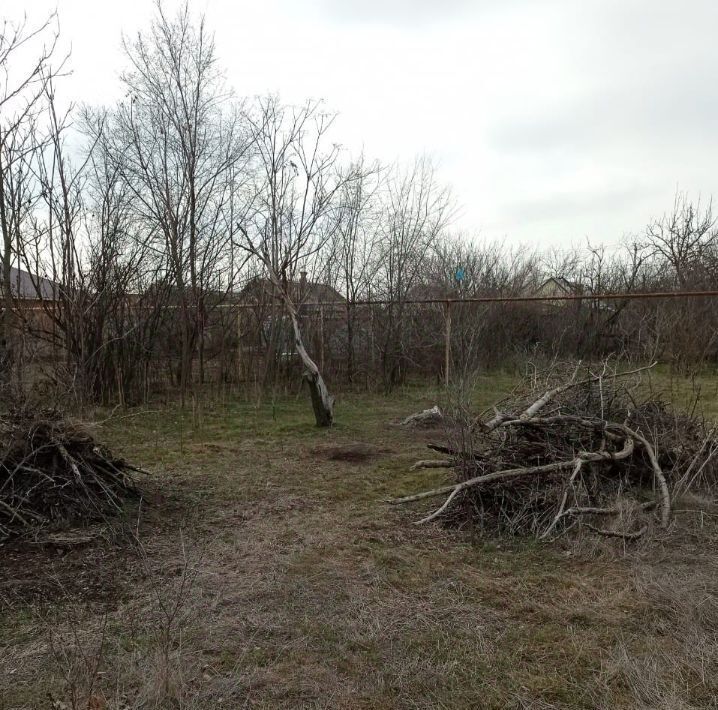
(271, 575)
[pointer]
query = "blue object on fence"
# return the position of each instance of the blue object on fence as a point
(459, 274)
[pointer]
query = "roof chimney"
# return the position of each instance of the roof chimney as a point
(302, 281)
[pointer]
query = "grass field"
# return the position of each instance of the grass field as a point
(272, 574)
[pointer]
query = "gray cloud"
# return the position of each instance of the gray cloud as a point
(589, 206)
(399, 12)
(671, 109)
(550, 117)
(638, 73)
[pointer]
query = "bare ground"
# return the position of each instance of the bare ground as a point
(271, 574)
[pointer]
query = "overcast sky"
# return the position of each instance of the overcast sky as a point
(553, 120)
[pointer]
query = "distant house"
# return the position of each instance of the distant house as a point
(559, 286)
(432, 291)
(263, 309)
(261, 291)
(32, 290)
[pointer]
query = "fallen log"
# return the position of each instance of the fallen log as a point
(426, 418)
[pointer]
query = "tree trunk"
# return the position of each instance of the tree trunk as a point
(322, 401)
(350, 343)
(6, 301)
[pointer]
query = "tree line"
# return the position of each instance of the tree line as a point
(154, 219)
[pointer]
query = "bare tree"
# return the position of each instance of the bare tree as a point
(294, 211)
(26, 69)
(357, 242)
(683, 237)
(682, 246)
(179, 142)
(418, 208)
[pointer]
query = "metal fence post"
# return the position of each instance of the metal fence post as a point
(321, 337)
(447, 343)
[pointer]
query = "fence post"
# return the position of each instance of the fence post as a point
(372, 356)
(321, 337)
(239, 346)
(447, 343)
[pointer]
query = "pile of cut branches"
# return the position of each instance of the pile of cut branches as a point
(573, 447)
(53, 473)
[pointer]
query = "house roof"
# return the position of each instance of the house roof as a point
(302, 291)
(564, 285)
(429, 291)
(32, 287)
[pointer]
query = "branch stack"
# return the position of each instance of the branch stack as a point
(575, 447)
(53, 473)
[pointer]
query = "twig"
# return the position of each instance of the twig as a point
(615, 533)
(432, 463)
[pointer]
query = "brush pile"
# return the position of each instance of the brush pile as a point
(53, 473)
(573, 448)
